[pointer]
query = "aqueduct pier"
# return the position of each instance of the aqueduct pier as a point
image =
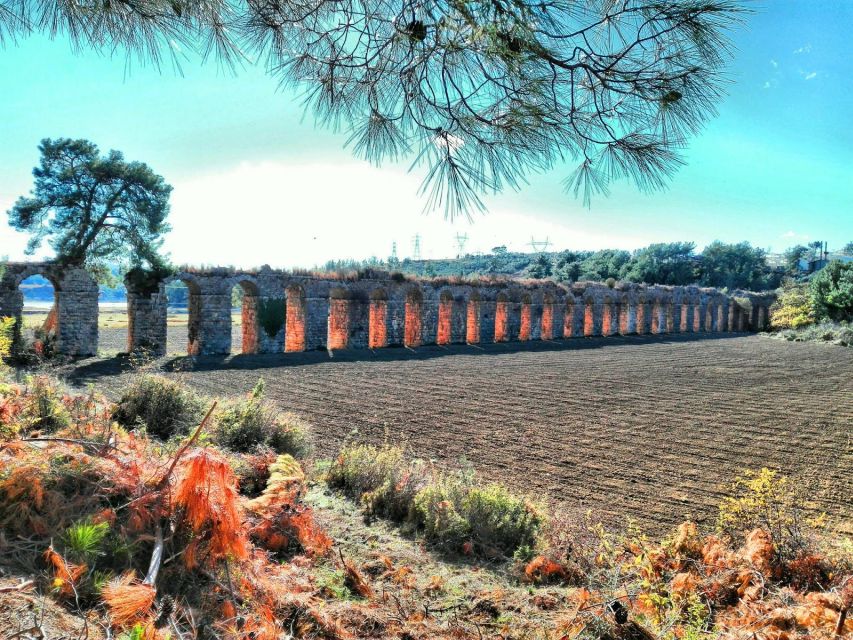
(284, 312)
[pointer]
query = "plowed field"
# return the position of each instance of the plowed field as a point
(652, 428)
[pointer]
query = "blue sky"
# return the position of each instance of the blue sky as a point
(257, 183)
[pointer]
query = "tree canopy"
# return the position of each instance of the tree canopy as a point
(662, 263)
(95, 211)
(734, 266)
(482, 92)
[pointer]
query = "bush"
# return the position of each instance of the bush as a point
(7, 333)
(840, 333)
(44, 409)
(793, 308)
(832, 291)
(165, 407)
(766, 500)
(249, 424)
(380, 478)
(271, 314)
(457, 514)
(452, 510)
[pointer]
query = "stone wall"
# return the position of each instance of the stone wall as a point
(325, 313)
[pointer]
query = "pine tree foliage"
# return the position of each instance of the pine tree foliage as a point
(481, 92)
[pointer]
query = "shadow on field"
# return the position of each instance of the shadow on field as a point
(91, 369)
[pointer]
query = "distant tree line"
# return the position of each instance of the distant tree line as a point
(722, 265)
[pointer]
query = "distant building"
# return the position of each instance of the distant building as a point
(812, 265)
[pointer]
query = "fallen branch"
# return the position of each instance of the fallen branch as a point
(20, 587)
(156, 556)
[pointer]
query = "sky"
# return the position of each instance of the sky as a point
(256, 182)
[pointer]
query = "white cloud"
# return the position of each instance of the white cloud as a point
(774, 63)
(806, 48)
(767, 85)
(810, 76)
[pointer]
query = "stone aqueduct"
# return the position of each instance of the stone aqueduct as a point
(283, 312)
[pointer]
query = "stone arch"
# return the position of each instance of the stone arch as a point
(722, 316)
(194, 310)
(697, 315)
(668, 322)
(413, 326)
(377, 335)
(75, 302)
(546, 330)
(642, 314)
(294, 324)
(624, 314)
(569, 318)
(525, 324)
(589, 316)
(49, 331)
(608, 311)
(655, 326)
(444, 332)
(339, 319)
(502, 317)
(249, 308)
(472, 318)
(710, 315)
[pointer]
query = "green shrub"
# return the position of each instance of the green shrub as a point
(165, 407)
(764, 499)
(380, 477)
(271, 314)
(494, 522)
(452, 511)
(832, 291)
(500, 521)
(840, 333)
(44, 409)
(248, 424)
(7, 334)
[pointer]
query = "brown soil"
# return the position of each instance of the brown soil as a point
(651, 428)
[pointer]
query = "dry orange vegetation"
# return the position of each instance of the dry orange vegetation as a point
(169, 541)
(647, 428)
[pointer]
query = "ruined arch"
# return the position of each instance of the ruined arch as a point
(656, 310)
(339, 319)
(608, 324)
(377, 334)
(546, 330)
(589, 316)
(569, 318)
(444, 332)
(525, 323)
(501, 317)
(472, 318)
(413, 326)
(193, 312)
(249, 308)
(624, 315)
(294, 324)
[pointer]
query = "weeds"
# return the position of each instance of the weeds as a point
(452, 510)
(164, 407)
(249, 424)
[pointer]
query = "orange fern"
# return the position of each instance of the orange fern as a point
(206, 494)
(128, 600)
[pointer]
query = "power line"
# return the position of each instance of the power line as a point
(461, 241)
(539, 245)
